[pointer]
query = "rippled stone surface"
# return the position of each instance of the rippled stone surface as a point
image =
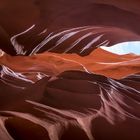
(56, 83)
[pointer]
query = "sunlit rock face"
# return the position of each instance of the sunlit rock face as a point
(60, 76)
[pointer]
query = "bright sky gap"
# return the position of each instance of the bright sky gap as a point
(124, 48)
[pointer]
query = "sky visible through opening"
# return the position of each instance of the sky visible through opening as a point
(124, 48)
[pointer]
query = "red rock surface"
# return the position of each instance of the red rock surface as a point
(62, 85)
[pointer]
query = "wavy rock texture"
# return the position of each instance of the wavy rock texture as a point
(56, 83)
(117, 20)
(61, 96)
